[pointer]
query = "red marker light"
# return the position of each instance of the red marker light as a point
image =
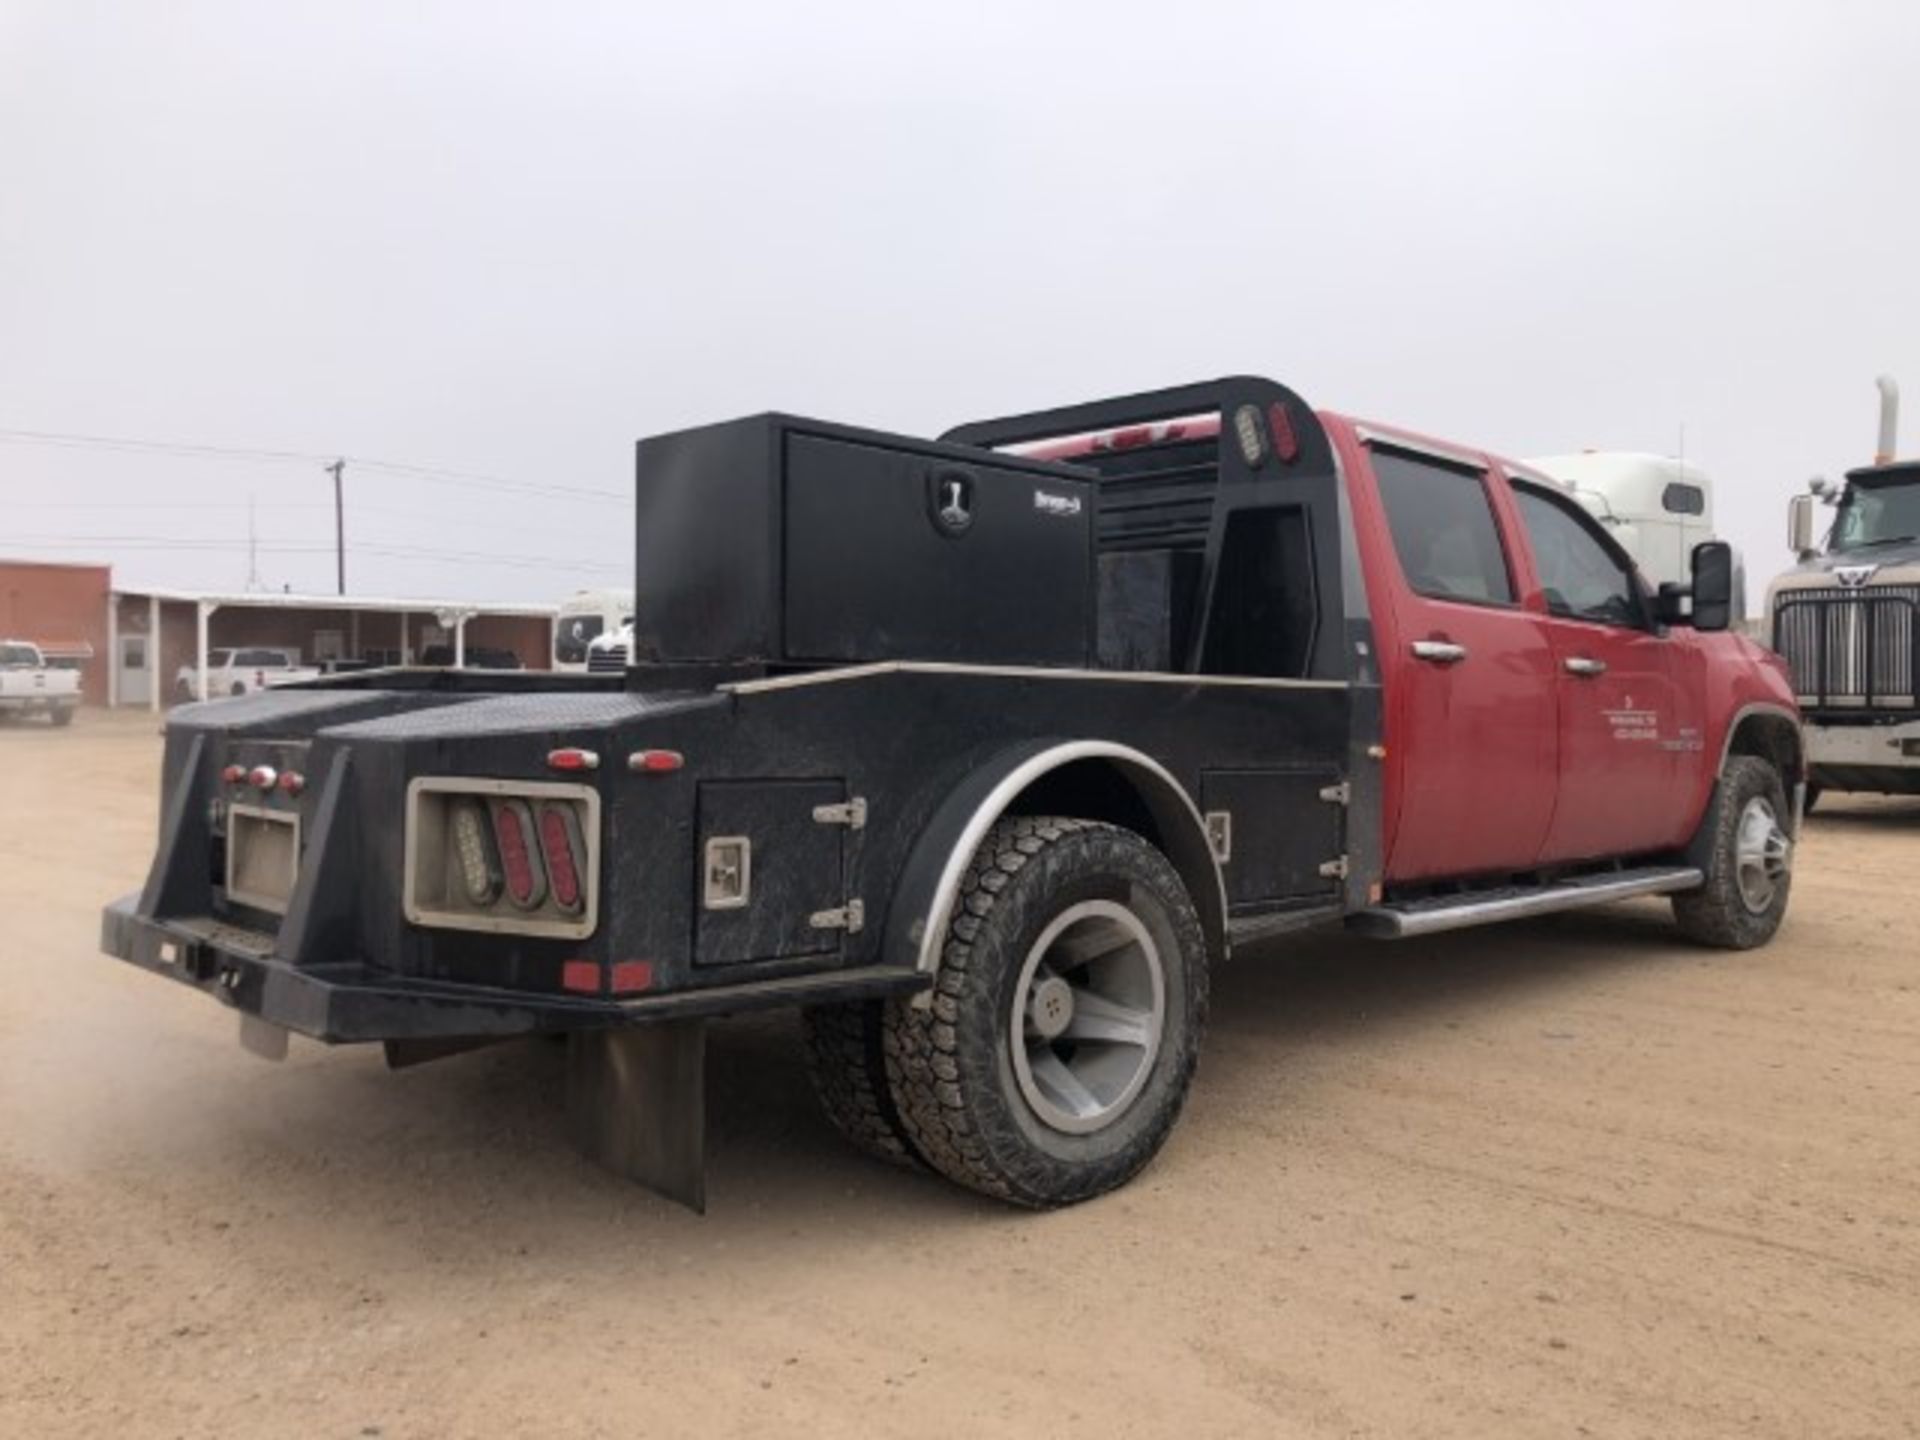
(632, 975)
(234, 774)
(1286, 444)
(263, 777)
(582, 976)
(572, 758)
(655, 762)
(293, 782)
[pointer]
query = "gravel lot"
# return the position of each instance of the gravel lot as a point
(1563, 1178)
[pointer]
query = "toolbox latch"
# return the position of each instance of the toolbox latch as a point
(853, 814)
(851, 917)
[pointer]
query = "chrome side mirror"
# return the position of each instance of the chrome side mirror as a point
(1800, 526)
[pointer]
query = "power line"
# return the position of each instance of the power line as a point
(442, 517)
(395, 552)
(434, 474)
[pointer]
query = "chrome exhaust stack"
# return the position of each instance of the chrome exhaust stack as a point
(1889, 419)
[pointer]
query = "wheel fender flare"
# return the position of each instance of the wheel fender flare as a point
(1793, 776)
(929, 884)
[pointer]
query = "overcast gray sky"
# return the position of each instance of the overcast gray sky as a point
(508, 240)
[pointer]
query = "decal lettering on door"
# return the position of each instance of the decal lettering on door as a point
(1630, 722)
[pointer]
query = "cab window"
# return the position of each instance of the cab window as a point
(1443, 529)
(1683, 499)
(1583, 576)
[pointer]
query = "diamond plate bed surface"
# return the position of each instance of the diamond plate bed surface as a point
(519, 714)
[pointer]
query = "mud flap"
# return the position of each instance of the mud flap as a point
(262, 1038)
(637, 1104)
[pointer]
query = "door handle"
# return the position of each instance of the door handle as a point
(1440, 652)
(1583, 665)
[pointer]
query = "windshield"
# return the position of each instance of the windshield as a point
(1877, 515)
(15, 657)
(571, 637)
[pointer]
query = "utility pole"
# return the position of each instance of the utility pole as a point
(339, 526)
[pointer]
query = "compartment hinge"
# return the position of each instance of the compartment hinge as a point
(851, 917)
(1341, 794)
(1335, 869)
(853, 814)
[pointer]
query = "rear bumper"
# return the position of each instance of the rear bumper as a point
(348, 1002)
(34, 704)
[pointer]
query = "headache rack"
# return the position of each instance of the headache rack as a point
(1852, 651)
(1208, 560)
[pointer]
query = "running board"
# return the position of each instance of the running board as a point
(1517, 902)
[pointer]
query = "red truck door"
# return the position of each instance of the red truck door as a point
(1624, 735)
(1471, 734)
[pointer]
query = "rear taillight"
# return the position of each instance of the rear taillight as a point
(526, 877)
(503, 856)
(560, 843)
(474, 852)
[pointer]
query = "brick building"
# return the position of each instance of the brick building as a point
(62, 609)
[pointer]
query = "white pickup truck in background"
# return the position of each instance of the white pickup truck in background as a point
(240, 672)
(28, 686)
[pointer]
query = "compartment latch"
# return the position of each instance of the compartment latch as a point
(853, 814)
(851, 917)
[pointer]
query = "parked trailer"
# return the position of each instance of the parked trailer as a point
(984, 752)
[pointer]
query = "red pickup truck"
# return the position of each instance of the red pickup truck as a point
(982, 751)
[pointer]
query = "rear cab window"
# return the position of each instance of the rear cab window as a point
(1444, 531)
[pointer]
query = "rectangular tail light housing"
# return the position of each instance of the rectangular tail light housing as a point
(518, 857)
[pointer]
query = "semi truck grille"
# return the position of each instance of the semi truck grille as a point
(1851, 649)
(607, 660)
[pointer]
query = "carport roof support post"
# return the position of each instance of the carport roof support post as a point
(204, 609)
(154, 653)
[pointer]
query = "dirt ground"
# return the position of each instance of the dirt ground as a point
(1563, 1178)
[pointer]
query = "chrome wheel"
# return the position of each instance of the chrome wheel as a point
(1088, 1012)
(1763, 855)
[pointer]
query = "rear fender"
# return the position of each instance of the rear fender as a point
(1117, 783)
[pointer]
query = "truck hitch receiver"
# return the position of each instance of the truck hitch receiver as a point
(637, 1104)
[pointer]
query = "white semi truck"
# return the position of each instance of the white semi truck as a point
(585, 617)
(1845, 619)
(1657, 507)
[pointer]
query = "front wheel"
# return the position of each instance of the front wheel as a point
(1056, 1050)
(1750, 862)
(63, 715)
